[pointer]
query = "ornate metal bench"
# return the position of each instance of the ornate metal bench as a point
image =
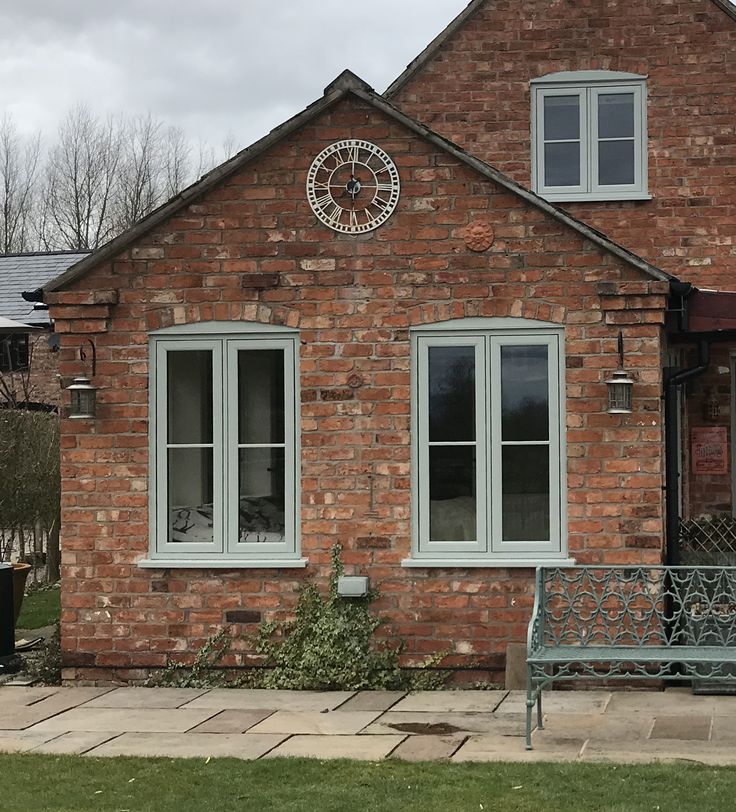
(630, 622)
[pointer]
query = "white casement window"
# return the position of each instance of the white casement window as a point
(589, 136)
(488, 443)
(224, 456)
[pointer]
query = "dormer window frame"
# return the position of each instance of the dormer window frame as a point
(588, 87)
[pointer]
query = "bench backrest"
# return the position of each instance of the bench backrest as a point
(636, 606)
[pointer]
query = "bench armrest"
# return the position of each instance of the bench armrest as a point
(535, 632)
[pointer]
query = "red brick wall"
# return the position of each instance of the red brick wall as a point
(44, 373)
(40, 382)
(476, 92)
(353, 300)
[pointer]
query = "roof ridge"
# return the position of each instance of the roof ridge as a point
(48, 253)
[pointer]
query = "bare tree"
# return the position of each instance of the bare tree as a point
(19, 161)
(177, 162)
(81, 174)
(141, 173)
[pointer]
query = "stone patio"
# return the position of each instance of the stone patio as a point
(620, 726)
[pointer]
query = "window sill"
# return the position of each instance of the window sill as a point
(595, 198)
(487, 563)
(222, 563)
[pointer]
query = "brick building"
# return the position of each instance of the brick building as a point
(29, 369)
(391, 323)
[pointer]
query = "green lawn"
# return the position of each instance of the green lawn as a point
(76, 784)
(40, 608)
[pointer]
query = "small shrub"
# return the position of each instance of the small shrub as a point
(203, 672)
(44, 665)
(329, 645)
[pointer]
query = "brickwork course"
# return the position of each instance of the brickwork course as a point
(247, 247)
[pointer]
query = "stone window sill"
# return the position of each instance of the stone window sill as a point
(487, 563)
(222, 563)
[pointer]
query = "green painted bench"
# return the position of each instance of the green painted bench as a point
(630, 622)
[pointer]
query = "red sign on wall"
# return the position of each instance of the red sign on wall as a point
(709, 450)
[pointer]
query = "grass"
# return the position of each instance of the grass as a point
(40, 608)
(76, 784)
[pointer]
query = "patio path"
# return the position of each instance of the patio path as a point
(620, 726)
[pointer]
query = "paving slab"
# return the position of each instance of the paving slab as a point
(146, 698)
(232, 721)
(310, 722)
(265, 699)
(451, 701)
(125, 720)
(21, 741)
(360, 748)
(19, 717)
(508, 748)
(600, 725)
(558, 702)
(74, 743)
(648, 752)
(683, 727)
(441, 724)
(427, 748)
(193, 745)
(16, 695)
(671, 701)
(724, 730)
(372, 701)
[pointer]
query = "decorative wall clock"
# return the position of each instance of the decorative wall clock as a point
(353, 186)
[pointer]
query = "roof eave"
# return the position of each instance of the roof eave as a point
(433, 47)
(727, 7)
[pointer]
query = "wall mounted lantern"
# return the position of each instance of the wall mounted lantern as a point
(83, 392)
(620, 385)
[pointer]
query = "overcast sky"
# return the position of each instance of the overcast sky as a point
(212, 67)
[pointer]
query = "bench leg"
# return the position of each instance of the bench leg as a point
(529, 706)
(540, 718)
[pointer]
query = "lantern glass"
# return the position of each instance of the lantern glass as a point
(619, 393)
(83, 399)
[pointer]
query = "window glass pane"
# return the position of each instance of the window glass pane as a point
(190, 494)
(451, 394)
(562, 164)
(452, 497)
(524, 393)
(189, 396)
(260, 396)
(261, 474)
(525, 489)
(615, 162)
(561, 118)
(616, 115)
(13, 352)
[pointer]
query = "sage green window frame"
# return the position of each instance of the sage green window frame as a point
(488, 337)
(588, 86)
(223, 340)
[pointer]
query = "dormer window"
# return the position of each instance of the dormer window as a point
(589, 136)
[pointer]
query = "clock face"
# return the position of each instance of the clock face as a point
(353, 186)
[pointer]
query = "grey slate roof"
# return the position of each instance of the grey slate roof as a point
(27, 272)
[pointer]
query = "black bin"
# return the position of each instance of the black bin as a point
(7, 618)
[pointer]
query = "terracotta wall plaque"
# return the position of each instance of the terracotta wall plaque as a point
(709, 450)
